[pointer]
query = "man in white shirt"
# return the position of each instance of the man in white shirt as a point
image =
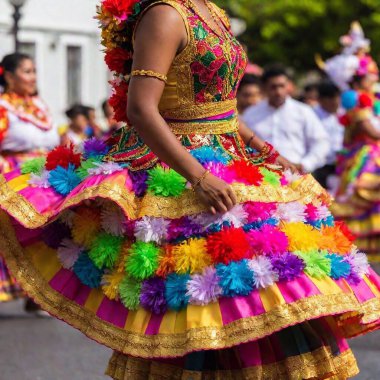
(327, 112)
(290, 126)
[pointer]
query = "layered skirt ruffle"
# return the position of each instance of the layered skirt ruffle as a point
(132, 259)
(358, 199)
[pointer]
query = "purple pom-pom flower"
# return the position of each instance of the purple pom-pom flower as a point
(95, 148)
(139, 182)
(204, 288)
(153, 295)
(183, 228)
(288, 266)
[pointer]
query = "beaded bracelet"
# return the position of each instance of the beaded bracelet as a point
(149, 73)
(200, 180)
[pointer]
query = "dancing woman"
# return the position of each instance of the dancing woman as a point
(173, 246)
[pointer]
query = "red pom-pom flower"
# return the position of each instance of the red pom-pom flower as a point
(365, 101)
(228, 245)
(117, 60)
(245, 172)
(63, 156)
(120, 9)
(118, 101)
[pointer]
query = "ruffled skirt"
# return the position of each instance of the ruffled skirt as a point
(358, 199)
(117, 245)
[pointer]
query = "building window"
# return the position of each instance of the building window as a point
(28, 48)
(74, 74)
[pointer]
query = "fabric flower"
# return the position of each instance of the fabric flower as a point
(270, 177)
(87, 272)
(64, 180)
(151, 229)
(165, 182)
(68, 253)
(236, 217)
(105, 168)
(235, 279)
(34, 166)
(245, 172)
(183, 228)
(63, 156)
(142, 260)
(40, 180)
(95, 148)
(129, 291)
(191, 256)
(359, 263)
(139, 182)
(176, 291)
(120, 9)
(302, 237)
(166, 262)
(291, 212)
(288, 266)
(86, 225)
(105, 250)
(152, 295)
(118, 101)
(317, 263)
(259, 211)
(204, 288)
(118, 60)
(112, 220)
(110, 284)
(230, 244)
(263, 273)
(291, 177)
(268, 240)
(207, 154)
(340, 268)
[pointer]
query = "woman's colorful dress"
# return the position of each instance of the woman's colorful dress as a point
(358, 196)
(26, 132)
(116, 244)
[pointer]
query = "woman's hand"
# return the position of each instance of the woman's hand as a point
(216, 194)
(286, 165)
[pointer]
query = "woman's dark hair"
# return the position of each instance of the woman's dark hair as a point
(10, 63)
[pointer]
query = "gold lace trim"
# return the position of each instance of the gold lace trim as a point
(205, 128)
(179, 344)
(306, 190)
(320, 363)
(199, 111)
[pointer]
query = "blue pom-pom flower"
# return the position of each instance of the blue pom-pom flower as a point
(87, 272)
(64, 180)
(175, 291)
(339, 267)
(236, 279)
(208, 154)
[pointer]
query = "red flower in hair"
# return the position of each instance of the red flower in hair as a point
(365, 101)
(1, 70)
(228, 245)
(120, 9)
(245, 172)
(117, 60)
(118, 101)
(62, 156)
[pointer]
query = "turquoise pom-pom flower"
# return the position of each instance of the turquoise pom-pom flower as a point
(339, 267)
(207, 154)
(176, 291)
(64, 180)
(87, 272)
(105, 250)
(235, 279)
(35, 166)
(165, 182)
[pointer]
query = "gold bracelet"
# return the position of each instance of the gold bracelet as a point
(149, 73)
(200, 180)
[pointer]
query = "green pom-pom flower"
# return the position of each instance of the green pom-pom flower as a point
(165, 182)
(35, 166)
(270, 177)
(317, 264)
(129, 291)
(90, 163)
(105, 250)
(142, 260)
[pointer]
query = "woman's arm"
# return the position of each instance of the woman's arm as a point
(160, 35)
(366, 127)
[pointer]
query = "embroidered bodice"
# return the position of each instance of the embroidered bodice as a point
(203, 79)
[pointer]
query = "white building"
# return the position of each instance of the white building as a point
(63, 37)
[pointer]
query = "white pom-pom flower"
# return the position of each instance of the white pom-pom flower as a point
(263, 273)
(68, 253)
(41, 180)
(105, 168)
(291, 212)
(150, 229)
(112, 220)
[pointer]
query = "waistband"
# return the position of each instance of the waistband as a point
(204, 127)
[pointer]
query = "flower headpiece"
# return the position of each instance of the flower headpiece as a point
(1, 70)
(117, 20)
(353, 60)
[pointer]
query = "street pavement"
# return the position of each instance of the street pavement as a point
(47, 349)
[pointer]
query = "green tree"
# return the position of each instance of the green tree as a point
(293, 31)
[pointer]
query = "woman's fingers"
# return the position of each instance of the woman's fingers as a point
(232, 195)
